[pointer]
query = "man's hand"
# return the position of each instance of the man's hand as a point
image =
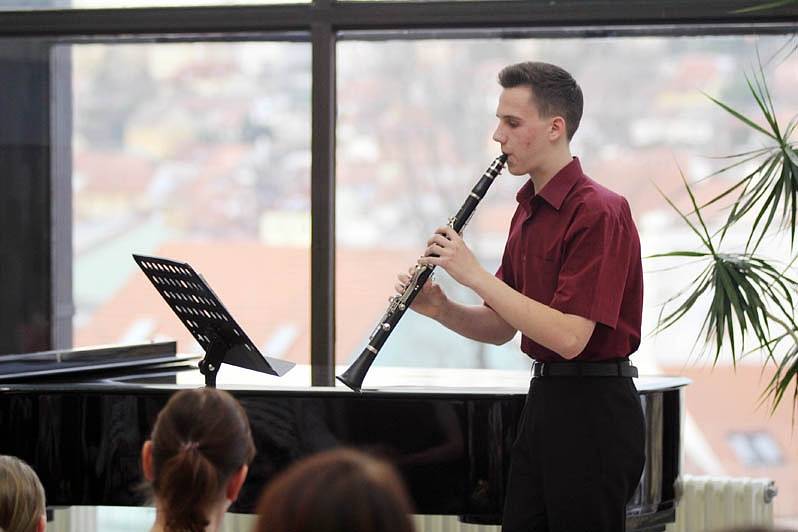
(430, 300)
(448, 250)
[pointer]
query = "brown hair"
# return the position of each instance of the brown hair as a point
(200, 438)
(21, 496)
(555, 90)
(336, 491)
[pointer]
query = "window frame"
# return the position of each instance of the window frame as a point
(324, 22)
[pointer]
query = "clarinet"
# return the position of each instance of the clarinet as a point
(398, 304)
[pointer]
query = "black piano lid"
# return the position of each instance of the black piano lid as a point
(89, 363)
(645, 385)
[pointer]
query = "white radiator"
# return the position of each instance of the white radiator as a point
(706, 504)
(715, 503)
(448, 523)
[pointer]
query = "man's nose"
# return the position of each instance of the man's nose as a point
(498, 136)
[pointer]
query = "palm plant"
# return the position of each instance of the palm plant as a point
(751, 299)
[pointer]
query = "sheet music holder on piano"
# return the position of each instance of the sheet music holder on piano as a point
(204, 315)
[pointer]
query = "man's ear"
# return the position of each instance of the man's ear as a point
(42, 524)
(146, 460)
(236, 482)
(557, 129)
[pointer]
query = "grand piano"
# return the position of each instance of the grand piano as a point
(81, 428)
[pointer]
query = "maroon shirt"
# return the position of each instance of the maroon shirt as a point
(575, 248)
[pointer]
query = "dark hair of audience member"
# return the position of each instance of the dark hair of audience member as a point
(197, 458)
(342, 490)
(21, 497)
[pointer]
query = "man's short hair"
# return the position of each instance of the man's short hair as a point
(556, 92)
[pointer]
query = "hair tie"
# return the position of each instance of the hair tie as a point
(189, 446)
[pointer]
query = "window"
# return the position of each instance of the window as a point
(646, 114)
(415, 119)
(198, 152)
(756, 448)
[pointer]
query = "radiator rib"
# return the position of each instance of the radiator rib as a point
(707, 504)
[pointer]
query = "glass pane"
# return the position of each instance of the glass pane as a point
(414, 135)
(197, 152)
(23, 5)
(415, 121)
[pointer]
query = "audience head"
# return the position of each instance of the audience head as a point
(336, 491)
(197, 458)
(21, 497)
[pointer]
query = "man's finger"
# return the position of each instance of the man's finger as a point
(448, 232)
(440, 240)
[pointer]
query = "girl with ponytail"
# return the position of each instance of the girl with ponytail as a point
(197, 459)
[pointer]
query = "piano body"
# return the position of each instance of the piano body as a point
(82, 432)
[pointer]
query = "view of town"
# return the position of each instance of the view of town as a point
(200, 152)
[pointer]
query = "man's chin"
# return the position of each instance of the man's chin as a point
(514, 170)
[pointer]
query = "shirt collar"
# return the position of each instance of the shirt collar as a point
(557, 188)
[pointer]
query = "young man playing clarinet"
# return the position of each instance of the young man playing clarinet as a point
(571, 281)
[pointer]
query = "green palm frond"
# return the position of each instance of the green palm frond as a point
(703, 232)
(746, 292)
(786, 375)
(695, 289)
(745, 295)
(751, 302)
(772, 187)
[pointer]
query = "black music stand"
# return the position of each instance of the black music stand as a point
(202, 313)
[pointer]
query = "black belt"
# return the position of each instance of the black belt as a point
(613, 368)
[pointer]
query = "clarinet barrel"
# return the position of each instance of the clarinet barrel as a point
(353, 377)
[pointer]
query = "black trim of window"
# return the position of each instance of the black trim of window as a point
(386, 16)
(324, 22)
(322, 252)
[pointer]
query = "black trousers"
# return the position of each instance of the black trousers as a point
(578, 456)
